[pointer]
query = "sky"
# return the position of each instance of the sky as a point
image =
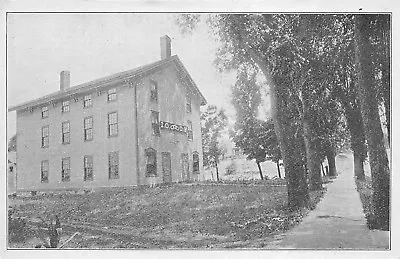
(90, 46)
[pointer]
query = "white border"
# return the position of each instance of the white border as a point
(200, 6)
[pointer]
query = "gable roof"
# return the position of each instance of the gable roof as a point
(98, 84)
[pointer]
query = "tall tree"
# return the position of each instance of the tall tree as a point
(380, 41)
(213, 121)
(343, 90)
(255, 40)
(273, 153)
(249, 134)
(366, 93)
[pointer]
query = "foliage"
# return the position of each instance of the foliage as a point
(248, 131)
(367, 95)
(308, 64)
(231, 168)
(213, 121)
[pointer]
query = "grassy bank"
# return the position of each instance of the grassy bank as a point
(176, 216)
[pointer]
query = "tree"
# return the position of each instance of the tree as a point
(366, 94)
(343, 90)
(302, 57)
(212, 123)
(251, 137)
(256, 41)
(345, 93)
(272, 150)
(249, 134)
(380, 42)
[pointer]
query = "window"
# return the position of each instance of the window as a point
(112, 94)
(155, 123)
(113, 162)
(88, 128)
(65, 169)
(44, 171)
(151, 162)
(153, 90)
(196, 163)
(45, 112)
(188, 104)
(65, 132)
(65, 106)
(87, 101)
(45, 136)
(112, 124)
(88, 168)
(190, 130)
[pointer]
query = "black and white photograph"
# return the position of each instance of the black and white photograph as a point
(204, 131)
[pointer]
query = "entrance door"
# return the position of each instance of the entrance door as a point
(185, 167)
(166, 167)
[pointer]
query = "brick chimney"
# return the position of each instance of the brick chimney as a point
(64, 80)
(165, 44)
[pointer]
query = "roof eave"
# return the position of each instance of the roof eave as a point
(102, 82)
(203, 99)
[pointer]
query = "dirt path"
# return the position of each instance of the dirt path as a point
(338, 222)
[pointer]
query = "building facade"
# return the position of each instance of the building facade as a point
(136, 127)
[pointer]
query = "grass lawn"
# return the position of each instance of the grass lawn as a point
(176, 216)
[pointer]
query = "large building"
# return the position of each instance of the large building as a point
(136, 127)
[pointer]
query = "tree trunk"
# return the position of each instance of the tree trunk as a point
(357, 136)
(298, 195)
(358, 166)
(216, 170)
(330, 154)
(312, 158)
(386, 78)
(322, 169)
(279, 169)
(387, 116)
(259, 169)
(372, 125)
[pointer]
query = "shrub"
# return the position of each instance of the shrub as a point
(231, 168)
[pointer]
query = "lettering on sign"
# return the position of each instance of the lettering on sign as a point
(173, 126)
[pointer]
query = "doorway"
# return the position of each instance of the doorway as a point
(185, 167)
(166, 167)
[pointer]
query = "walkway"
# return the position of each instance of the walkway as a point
(338, 221)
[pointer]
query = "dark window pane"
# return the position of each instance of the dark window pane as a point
(112, 124)
(88, 168)
(151, 162)
(65, 169)
(112, 94)
(65, 106)
(87, 100)
(113, 164)
(88, 128)
(155, 123)
(153, 91)
(45, 112)
(45, 171)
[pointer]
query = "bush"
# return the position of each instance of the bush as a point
(231, 168)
